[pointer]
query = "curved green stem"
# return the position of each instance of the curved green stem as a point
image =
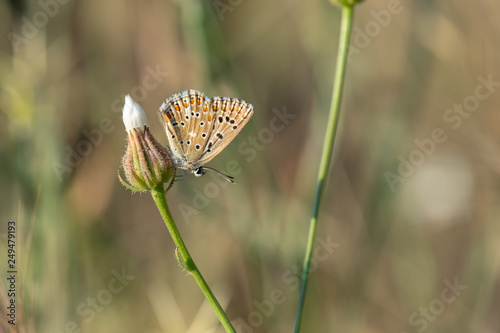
(326, 156)
(188, 263)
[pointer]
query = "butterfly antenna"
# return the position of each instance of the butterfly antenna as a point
(217, 172)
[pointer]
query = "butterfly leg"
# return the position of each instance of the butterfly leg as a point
(181, 177)
(171, 182)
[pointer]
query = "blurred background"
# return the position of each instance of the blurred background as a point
(408, 239)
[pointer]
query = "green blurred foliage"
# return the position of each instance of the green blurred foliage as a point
(394, 246)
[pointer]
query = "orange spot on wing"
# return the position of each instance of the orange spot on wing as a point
(209, 117)
(186, 104)
(167, 116)
(177, 107)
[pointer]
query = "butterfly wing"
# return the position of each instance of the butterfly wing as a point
(198, 128)
(188, 119)
(230, 115)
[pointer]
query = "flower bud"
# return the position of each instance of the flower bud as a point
(146, 163)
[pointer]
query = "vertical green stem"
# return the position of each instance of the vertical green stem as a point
(161, 202)
(326, 156)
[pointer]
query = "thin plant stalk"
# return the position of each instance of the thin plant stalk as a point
(187, 261)
(326, 156)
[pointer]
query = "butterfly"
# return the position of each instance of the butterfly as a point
(198, 128)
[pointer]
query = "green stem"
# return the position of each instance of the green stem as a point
(326, 156)
(161, 202)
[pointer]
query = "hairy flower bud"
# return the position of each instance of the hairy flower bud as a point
(146, 163)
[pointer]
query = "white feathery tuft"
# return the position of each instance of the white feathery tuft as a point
(133, 115)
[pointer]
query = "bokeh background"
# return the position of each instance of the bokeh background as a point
(390, 242)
